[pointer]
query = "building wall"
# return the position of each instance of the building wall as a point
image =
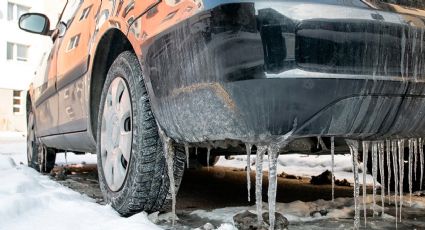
(17, 74)
(12, 119)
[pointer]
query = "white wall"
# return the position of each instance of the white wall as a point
(10, 121)
(17, 75)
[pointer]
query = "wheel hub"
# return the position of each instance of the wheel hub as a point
(115, 131)
(116, 135)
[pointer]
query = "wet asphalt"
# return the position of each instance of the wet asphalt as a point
(220, 187)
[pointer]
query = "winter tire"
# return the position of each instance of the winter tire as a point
(39, 157)
(131, 161)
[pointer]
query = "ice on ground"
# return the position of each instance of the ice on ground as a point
(226, 227)
(296, 211)
(31, 200)
(301, 213)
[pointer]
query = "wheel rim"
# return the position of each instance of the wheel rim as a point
(116, 134)
(30, 138)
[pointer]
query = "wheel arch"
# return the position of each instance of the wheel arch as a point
(103, 58)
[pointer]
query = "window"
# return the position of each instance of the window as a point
(152, 12)
(10, 7)
(14, 11)
(85, 13)
(173, 2)
(10, 48)
(22, 53)
(17, 101)
(73, 43)
(71, 10)
(17, 52)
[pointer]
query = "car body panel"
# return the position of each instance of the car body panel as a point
(73, 65)
(247, 70)
(209, 91)
(44, 95)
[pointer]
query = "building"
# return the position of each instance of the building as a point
(20, 55)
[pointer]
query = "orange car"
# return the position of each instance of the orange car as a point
(140, 81)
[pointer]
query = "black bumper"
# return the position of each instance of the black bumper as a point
(249, 71)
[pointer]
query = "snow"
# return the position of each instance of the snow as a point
(28, 198)
(12, 144)
(303, 165)
(72, 158)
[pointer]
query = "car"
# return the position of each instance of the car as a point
(140, 82)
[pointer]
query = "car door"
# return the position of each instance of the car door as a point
(73, 63)
(44, 94)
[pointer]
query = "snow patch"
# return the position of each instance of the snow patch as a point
(303, 165)
(28, 198)
(7, 163)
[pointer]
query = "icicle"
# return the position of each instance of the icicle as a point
(333, 166)
(259, 183)
(388, 143)
(272, 154)
(45, 158)
(186, 149)
(321, 143)
(354, 150)
(396, 176)
(66, 157)
(382, 173)
(410, 170)
(40, 166)
(421, 155)
(248, 169)
(208, 157)
(364, 194)
(374, 174)
(196, 151)
(415, 157)
(401, 171)
(169, 158)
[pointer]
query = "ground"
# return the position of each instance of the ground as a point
(70, 197)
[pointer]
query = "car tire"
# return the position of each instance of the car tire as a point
(39, 156)
(144, 183)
